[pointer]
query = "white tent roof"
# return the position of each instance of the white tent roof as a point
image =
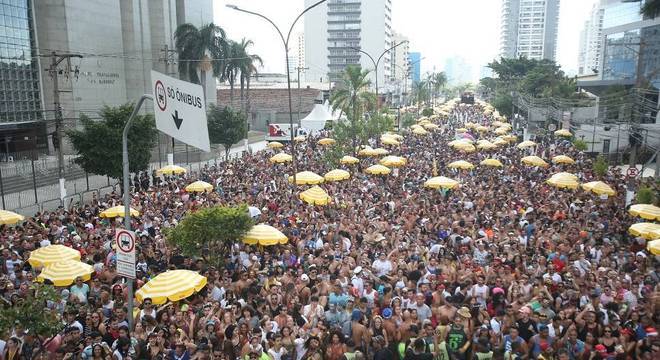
(315, 120)
(336, 113)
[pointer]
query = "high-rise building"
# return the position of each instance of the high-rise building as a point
(120, 43)
(458, 70)
(300, 52)
(337, 29)
(400, 56)
(415, 61)
(20, 102)
(590, 40)
(529, 28)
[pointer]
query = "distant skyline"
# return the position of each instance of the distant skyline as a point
(438, 29)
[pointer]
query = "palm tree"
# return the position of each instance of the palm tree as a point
(232, 66)
(651, 9)
(248, 66)
(420, 91)
(354, 98)
(438, 80)
(200, 50)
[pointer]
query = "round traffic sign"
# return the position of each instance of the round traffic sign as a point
(161, 95)
(125, 241)
(632, 172)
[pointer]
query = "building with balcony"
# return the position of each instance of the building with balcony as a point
(529, 28)
(337, 29)
(589, 55)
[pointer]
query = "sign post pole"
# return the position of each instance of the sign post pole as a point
(127, 195)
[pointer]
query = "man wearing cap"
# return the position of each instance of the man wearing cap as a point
(543, 337)
(526, 326)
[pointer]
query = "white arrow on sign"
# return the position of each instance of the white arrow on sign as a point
(180, 110)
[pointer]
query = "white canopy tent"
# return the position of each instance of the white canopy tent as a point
(335, 114)
(316, 119)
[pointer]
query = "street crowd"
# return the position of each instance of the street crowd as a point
(504, 266)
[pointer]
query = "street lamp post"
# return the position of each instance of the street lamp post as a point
(285, 42)
(376, 62)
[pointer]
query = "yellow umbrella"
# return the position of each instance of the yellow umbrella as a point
(460, 142)
(275, 145)
(64, 273)
(393, 161)
(392, 135)
(534, 161)
(337, 175)
(52, 254)
(420, 131)
(390, 141)
(281, 158)
(466, 148)
(381, 151)
(563, 132)
(378, 170)
(645, 211)
(424, 122)
(199, 186)
(367, 151)
(526, 144)
(481, 128)
(10, 218)
(461, 130)
(562, 159)
(470, 125)
(172, 285)
(327, 141)
(441, 182)
(171, 169)
(491, 162)
(654, 247)
(307, 178)
(564, 174)
(349, 160)
(300, 138)
(461, 164)
(117, 211)
(264, 235)
(500, 142)
(486, 145)
(563, 181)
(498, 123)
(501, 131)
(599, 188)
(646, 230)
(431, 126)
(510, 138)
(315, 196)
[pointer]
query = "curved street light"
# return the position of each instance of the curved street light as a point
(285, 42)
(376, 63)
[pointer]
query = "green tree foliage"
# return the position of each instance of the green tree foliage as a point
(226, 127)
(407, 120)
(98, 143)
(199, 49)
(600, 166)
(32, 313)
(377, 124)
(651, 9)
(645, 195)
(580, 145)
(209, 233)
(427, 112)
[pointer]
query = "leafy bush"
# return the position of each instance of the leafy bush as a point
(600, 166)
(580, 144)
(645, 195)
(427, 112)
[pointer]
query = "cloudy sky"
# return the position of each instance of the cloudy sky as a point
(437, 28)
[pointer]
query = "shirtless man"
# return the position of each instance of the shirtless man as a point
(360, 333)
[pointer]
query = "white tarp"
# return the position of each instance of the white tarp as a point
(316, 119)
(335, 114)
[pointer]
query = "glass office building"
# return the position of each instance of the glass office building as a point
(19, 70)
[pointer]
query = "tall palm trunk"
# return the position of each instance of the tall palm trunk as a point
(231, 90)
(202, 74)
(242, 80)
(247, 112)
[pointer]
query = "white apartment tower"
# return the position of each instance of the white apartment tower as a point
(301, 50)
(590, 41)
(337, 29)
(399, 57)
(529, 29)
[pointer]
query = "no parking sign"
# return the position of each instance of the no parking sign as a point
(125, 241)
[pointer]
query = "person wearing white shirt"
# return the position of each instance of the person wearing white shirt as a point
(382, 265)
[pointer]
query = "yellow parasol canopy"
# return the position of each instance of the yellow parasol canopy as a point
(275, 145)
(52, 254)
(431, 126)
(378, 170)
(390, 141)
(307, 178)
(654, 247)
(392, 135)
(486, 145)
(281, 158)
(171, 169)
(441, 182)
(500, 142)
(420, 131)
(501, 131)
(199, 186)
(491, 162)
(533, 161)
(327, 141)
(466, 148)
(315, 196)
(64, 273)
(461, 164)
(563, 159)
(599, 188)
(393, 161)
(460, 142)
(117, 211)
(481, 128)
(172, 285)
(563, 132)
(510, 138)
(563, 181)
(461, 130)
(264, 235)
(646, 230)
(10, 218)
(367, 151)
(381, 151)
(526, 144)
(349, 160)
(645, 211)
(337, 175)
(470, 125)
(300, 138)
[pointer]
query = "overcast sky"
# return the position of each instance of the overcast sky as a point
(437, 28)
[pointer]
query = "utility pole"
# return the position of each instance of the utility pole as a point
(169, 60)
(300, 69)
(54, 72)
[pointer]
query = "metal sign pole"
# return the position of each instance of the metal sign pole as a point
(127, 194)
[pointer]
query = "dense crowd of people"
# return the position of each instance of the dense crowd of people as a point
(505, 266)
